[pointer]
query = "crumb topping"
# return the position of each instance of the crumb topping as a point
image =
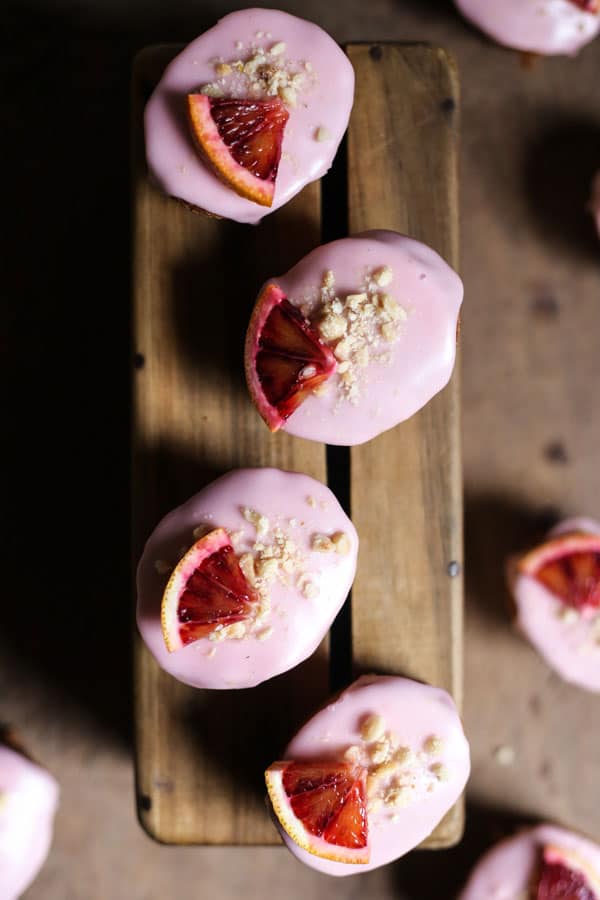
(397, 775)
(361, 327)
(262, 71)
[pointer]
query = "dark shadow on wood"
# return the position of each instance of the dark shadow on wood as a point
(557, 176)
(496, 528)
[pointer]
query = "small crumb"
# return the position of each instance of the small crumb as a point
(380, 756)
(388, 332)
(308, 66)
(267, 568)
(383, 276)
(311, 501)
(321, 543)
(309, 590)
(211, 90)
(237, 631)
(162, 566)
(440, 771)
(328, 279)
(404, 756)
(568, 615)
(239, 45)
(504, 755)
(293, 523)
(372, 728)
(361, 357)
(223, 69)
(343, 349)
(433, 745)
(260, 522)
(217, 635)
(288, 95)
(277, 49)
(264, 634)
(398, 797)
(352, 754)
(395, 818)
(211, 653)
(246, 564)
(332, 327)
(341, 542)
(322, 134)
(259, 34)
(321, 390)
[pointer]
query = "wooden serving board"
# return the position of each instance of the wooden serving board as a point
(200, 754)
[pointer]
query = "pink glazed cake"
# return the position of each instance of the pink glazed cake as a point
(251, 54)
(549, 27)
(556, 592)
(356, 338)
(544, 862)
(28, 802)
(295, 546)
(407, 740)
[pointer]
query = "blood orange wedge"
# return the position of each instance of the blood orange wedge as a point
(569, 567)
(285, 358)
(322, 806)
(241, 139)
(566, 876)
(590, 6)
(207, 589)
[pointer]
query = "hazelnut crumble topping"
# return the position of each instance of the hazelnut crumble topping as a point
(259, 73)
(361, 327)
(397, 775)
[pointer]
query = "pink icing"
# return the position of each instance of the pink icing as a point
(28, 802)
(505, 871)
(422, 356)
(569, 645)
(299, 623)
(539, 26)
(414, 712)
(173, 161)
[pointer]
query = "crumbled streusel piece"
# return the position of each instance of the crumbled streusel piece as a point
(372, 728)
(321, 543)
(341, 542)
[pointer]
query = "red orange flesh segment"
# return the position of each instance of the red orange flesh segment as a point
(590, 6)
(322, 806)
(207, 589)
(241, 139)
(569, 567)
(565, 876)
(285, 357)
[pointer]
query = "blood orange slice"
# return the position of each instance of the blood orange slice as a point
(322, 806)
(566, 876)
(590, 6)
(241, 139)
(569, 567)
(207, 589)
(285, 358)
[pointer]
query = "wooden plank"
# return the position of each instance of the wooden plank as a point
(200, 754)
(406, 488)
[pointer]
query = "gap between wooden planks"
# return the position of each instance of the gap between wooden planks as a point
(200, 754)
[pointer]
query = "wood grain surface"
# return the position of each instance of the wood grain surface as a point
(200, 754)
(406, 485)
